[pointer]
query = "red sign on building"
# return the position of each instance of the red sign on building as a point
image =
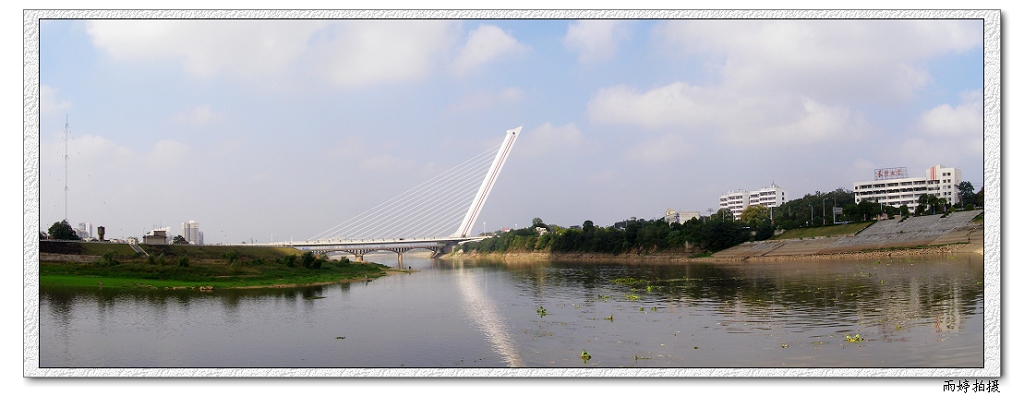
(891, 173)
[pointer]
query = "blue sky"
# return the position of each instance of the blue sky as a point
(286, 128)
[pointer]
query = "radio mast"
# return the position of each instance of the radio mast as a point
(66, 127)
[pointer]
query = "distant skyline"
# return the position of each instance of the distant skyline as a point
(255, 128)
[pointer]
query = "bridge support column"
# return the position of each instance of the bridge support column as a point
(399, 259)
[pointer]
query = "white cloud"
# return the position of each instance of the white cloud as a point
(49, 104)
(816, 122)
(90, 151)
(595, 40)
(169, 152)
(198, 116)
(387, 163)
(249, 48)
(361, 53)
(485, 44)
(950, 135)
(605, 177)
(666, 148)
(880, 60)
(483, 100)
(947, 121)
(737, 119)
(673, 104)
(548, 139)
(345, 53)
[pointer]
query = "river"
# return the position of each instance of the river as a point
(923, 311)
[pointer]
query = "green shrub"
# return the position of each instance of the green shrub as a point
(108, 259)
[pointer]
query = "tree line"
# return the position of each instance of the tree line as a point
(717, 231)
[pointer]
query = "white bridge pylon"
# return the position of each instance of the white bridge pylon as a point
(488, 183)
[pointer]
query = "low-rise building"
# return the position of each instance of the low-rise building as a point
(157, 237)
(894, 187)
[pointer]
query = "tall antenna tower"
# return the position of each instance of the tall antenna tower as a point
(66, 132)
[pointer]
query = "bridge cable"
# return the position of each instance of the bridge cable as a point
(384, 217)
(459, 172)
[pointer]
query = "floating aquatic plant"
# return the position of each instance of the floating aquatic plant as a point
(585, 356)
(855, 338)
(541, 311)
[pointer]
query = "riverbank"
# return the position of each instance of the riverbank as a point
(976, 246)
(203, 268)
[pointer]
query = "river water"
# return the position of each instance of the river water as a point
(923, 311)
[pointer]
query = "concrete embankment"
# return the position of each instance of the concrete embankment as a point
(914, 235)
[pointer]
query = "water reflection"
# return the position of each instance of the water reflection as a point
(484, 312)
(918, 312)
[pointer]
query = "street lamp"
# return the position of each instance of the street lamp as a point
(812, 214)
(823, 211)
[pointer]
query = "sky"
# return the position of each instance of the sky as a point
(264, 130)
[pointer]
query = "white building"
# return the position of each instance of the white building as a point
(892, 187)
(154, 234)
(772, 196)
(84, 230)
(190, 231)
(671, 216)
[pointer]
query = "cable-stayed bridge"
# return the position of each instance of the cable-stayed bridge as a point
(423, 217)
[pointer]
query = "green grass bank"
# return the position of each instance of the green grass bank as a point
(182, 266)
(825, 231)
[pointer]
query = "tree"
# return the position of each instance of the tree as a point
(754, 214)
(933, 202)
(966, 192)
(922, 204)
(852, 212)
(537, 222)
(723, 214)
(62, 230)
(179, 240)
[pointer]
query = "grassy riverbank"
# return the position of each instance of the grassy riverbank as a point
(116, 265)
(826, 231)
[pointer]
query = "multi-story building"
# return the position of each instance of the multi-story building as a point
(772, 196)
(190, 231)
(84, 230)
(671, 216)
(893, 187)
